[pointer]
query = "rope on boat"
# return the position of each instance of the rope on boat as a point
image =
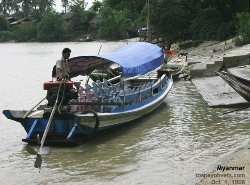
(62, 96)
(96, 123)
(38, 161)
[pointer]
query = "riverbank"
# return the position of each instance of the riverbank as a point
(237, 165)
(206, 60)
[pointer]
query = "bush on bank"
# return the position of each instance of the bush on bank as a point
(24, 33)
(243, 29)
(5, 36)
(52, 28)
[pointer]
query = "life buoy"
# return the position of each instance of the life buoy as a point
(96, 122)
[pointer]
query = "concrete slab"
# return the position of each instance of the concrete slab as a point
(198, 70)
(236, 57)
(213, 67)
(217, 93)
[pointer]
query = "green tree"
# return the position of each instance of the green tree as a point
(26, 7)
(52, 27)
(79, 16)
(4, 24)
(45, 5)
(5, 6)
(134, 7)
(96, 7)
(24, 33)
(113, 24)
(215, 19)
(5, 36)
(65, 5)
(243, 28)
(169, 18)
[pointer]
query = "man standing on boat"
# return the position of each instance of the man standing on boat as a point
(62, 68)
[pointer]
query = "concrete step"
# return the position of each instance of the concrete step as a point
(198, 70)
(236, 57)
(206, 69)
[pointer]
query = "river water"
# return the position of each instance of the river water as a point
(169, 146)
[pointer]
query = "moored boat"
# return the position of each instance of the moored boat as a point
(177, 64)
(239, 79)
(132, 33)
(73, 112)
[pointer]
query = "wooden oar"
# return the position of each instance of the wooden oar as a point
(45, 150)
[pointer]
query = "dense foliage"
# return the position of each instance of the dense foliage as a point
(176, 20)
(113, 24)
(4, 25)
(243, 28)
(52, 27)
(79, 18)
(172, 20)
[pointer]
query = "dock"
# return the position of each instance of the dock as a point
(214, 90)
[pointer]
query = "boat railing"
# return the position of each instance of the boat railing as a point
(109, 94)
(141, 93)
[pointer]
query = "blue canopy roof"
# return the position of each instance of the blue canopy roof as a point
(135, 59)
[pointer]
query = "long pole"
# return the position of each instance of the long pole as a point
(97, 54)
(38, 161)
(33, 108)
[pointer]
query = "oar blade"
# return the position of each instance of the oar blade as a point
(38, 162)
(44, 150)
(30, 150)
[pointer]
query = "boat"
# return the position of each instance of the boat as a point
(132, 33)
(177, 64)
(239, 79)
(73, 112)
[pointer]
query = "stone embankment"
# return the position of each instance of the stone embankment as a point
(209, 58)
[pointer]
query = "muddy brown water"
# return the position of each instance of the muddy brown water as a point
(168, 146)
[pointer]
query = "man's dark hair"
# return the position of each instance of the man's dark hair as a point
(65, 50)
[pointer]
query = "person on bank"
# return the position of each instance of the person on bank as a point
(62, 68)
(168, 54)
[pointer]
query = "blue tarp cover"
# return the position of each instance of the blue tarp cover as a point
(135, 59)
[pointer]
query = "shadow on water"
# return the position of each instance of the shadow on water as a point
(129, 127)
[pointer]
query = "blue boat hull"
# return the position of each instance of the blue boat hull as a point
(74, 127)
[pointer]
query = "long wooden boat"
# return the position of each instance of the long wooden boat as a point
(88, 109)
(178, 64)
(239, 79)
(132, 33)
